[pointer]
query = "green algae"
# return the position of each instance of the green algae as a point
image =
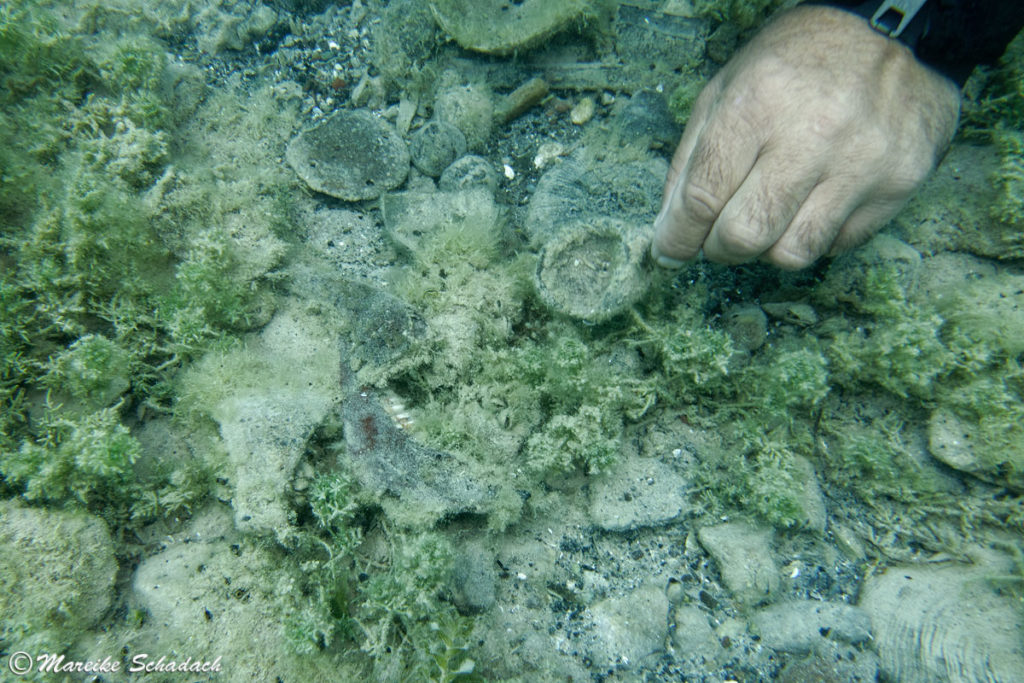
(136, 266)
(115, 273)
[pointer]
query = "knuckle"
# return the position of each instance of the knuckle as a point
(789, 260)
(741, 240)
(700, 204)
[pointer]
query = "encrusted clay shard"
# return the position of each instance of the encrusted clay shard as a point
(412, 217)
(580, 187)
(352, 155)
(500, 27)
(414, 482)
(593, 269)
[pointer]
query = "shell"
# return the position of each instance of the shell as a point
(397, 411)
(946, 623)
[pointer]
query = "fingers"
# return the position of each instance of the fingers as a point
(695, 124)
(718, 157)
(816, 225)
(832, 220)
(762, 209)
(863, 223)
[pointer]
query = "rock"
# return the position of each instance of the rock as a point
(812, 500)
(410, 217)
(846, 280)
(352, 155)
(57, 573)
(693, 639)
(500, 27)
(832, 663)
(799, 626)
(989, 307)
(473, 579)
(593, 269)
(952, 210)
(959, 442)
(646, 115)
(744, 558)
(402, 37)
(747, 325)
(267, 398)
(218, 594)
(468, 172)
(946, 623)
(435, 146)
(658, 46)
(583, 111)
(470, 109)
(949, 440)
(636, 493)
(218, 31)
(629, 628)
(792, 313)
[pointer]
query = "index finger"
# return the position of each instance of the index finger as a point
(711, 163)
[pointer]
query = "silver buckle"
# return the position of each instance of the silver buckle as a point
(892, 16)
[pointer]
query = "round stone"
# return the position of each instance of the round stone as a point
(468, 172)
(435, 146)
(352, 155)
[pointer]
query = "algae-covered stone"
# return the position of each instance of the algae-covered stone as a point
(469, 172)
(435, 146)
(658, 42)
(647, 115)
(593, 270)
(848, 278)
(582, 187)
(352, 155)
(218, 595)
(412, 217)
(502, 27)
(469, 108)
(977, 447)
(56, 573)
(747, 325)
(267, 398)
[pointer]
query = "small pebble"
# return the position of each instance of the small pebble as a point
(583, 111)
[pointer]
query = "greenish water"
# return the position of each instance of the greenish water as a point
(297, 436)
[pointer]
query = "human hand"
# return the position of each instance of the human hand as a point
(810, 139)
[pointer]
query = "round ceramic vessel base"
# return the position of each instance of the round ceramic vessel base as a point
(593, 269)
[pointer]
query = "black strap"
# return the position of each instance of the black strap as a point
(951, 36)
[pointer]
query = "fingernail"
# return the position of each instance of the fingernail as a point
(665, 261)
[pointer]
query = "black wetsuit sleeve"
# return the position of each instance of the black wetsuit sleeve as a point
(954, 36)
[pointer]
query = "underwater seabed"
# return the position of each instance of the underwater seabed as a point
(330, 351)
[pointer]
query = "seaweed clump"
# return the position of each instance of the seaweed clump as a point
(117, 267)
